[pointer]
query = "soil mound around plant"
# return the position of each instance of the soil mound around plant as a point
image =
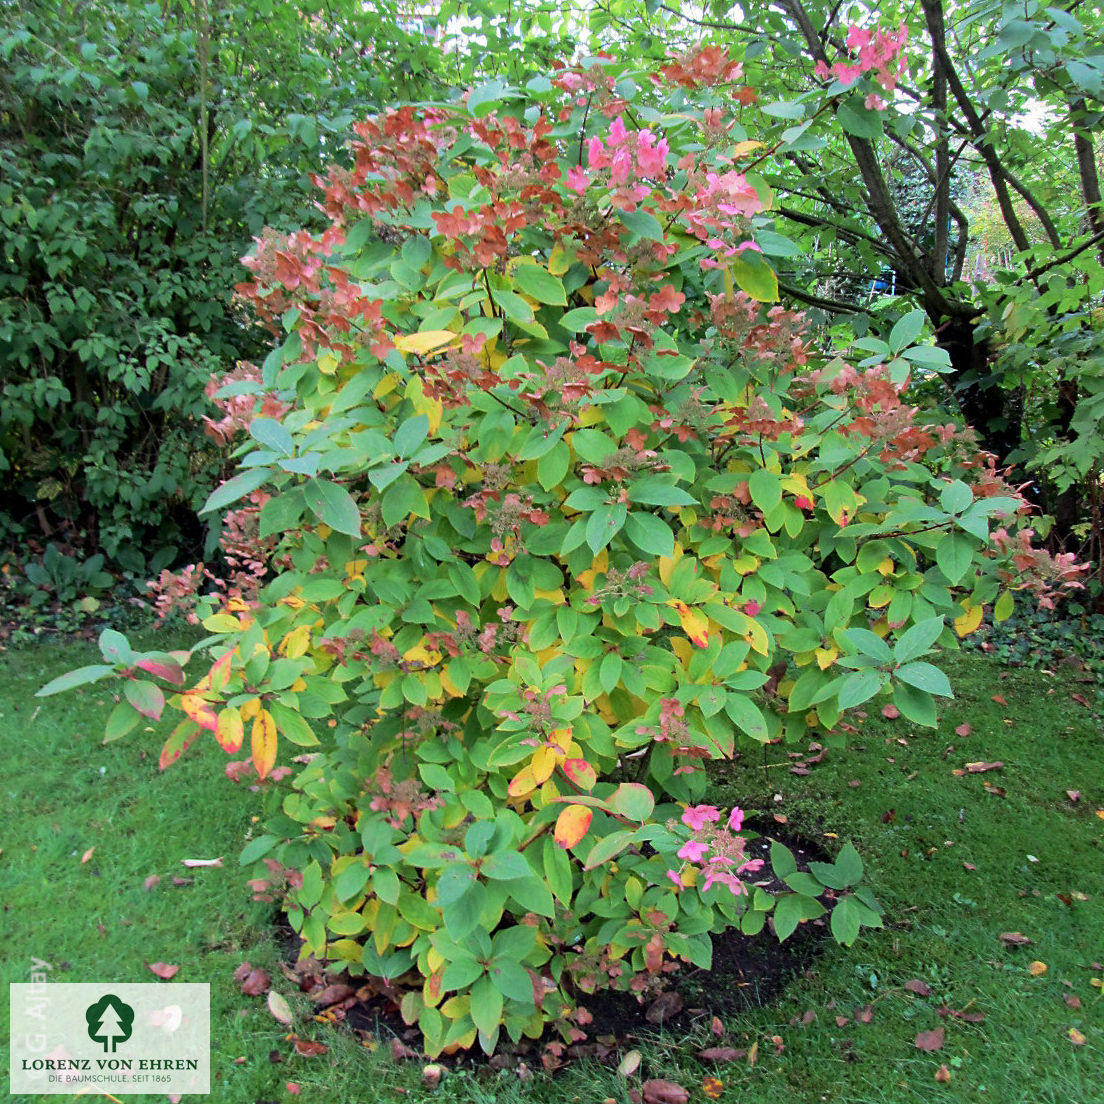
(747, 972)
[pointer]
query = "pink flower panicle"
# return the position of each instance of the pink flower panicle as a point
(718, 851)
(879, 52)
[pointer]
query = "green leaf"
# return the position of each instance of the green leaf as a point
(234, 489)
(607, 848)
(765, 488)
(78, 677)
(845, 921)
(955, 497)
(256, 849)
(654, 490)
(604, 524)
(857, 120)
(538, 282)
(754, 276)
(906, 330)
(652, 535)
(643, 224)
(849, 864)
(504, 865)
(351, 881)
(513, 306)
(281, 513)
(403, 498)
(115, 648)
(782, 861)
(511, 980)
(918, 639)
(858, 687)
(124, 717)
(925, 677)
(333, 506)
(791, 910)
(747, 716)
(633, 801)
(484, 99)
(410, 436)
(292, 726)
(955, 556)
(532, 894)
(460, 973)
(486, 1006)
(272, 435)
(915, 705)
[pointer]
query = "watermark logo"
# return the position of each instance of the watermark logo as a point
(110, 1021)
(113, 1039)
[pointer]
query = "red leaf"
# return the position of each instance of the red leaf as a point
(162, 969)
(1081, 700)
(166, 669)
(664, 1007)
(999, 700)
(659, 1091)
(864, 1014)
(920, 988)
(963, 730)
(255, 983)
(1072, 1000)
(153, 881)
(942, 1075)
(572, 825)
(930, 1040)
(308, 1048)
(1014, 939)
(890, 711)
(333, 994)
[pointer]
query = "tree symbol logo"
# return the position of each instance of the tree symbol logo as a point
(110, 1021)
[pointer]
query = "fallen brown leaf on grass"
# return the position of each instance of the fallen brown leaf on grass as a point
(864, 1014)
(660, 1091)
(942, 1075)
(308, 1048)
(1081, 700)
(1072, 1000)
(963, 730)
(981, 767)
(842, 1021)
(87, 855)
(1076, 1037)
(152, 882)
(664, 1007)
(920, 988)
(721, 1054)
(255, 983)
(1073, 795)
(162, 969)
(929, 1040)
(201, 862)
(999, 699)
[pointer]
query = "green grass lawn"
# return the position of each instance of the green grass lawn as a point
(954, 864)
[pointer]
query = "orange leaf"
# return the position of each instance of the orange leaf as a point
(87, 855)
(199, 711)
(1076, 1037)
(229, 731)
(264, 743)
(712, 1087)
(1037, 969)
(572, 825)
(220, 672)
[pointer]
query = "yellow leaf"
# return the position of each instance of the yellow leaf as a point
(561, 737)
(423, 404)
(229, 730)
(1037, 969)
(386, 385)
(1076, 1037)
(296, 642)
(328, 364)
(559, 260)
(264, 743)
(422, 655)
(886, 566)
(543, 764)
(524, 782)
(198, 710)
(250, 709)
(694, 623)
(825, 657)
(970, 619)
(667, 565)
(572, 825)
(745, 147)
(423, 343)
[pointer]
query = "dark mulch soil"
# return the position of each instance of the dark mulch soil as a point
(747, 972)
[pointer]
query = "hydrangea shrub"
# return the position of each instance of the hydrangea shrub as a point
(558, 509)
